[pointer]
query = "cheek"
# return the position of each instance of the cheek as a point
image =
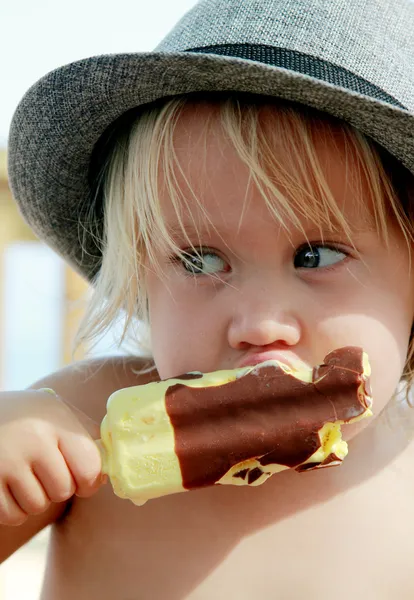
(386, 347)
(168, 338)
(377, 316)
(183, 337)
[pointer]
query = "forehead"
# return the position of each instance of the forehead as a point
(220, 170)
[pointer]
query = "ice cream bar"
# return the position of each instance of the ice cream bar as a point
(234, 427)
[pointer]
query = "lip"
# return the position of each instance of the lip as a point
(292, 362)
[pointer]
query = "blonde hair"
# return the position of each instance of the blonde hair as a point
(130, 182)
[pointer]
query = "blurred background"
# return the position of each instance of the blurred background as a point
(41, 299)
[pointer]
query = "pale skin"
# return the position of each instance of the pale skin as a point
(297, 535)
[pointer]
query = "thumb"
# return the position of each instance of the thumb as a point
(94, 430)
(91, 426)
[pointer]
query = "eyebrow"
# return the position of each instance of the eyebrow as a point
(191, 230)
(224, 232)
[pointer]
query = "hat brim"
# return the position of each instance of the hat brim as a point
(61, 118)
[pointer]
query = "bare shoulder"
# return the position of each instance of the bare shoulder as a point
(87, 384)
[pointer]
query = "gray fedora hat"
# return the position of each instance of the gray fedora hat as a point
(353, 59)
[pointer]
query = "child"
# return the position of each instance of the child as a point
(246, 192)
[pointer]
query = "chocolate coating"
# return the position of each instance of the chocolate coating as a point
(266, 414)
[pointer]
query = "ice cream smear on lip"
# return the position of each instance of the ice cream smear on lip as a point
(297, 368)
(232, 427)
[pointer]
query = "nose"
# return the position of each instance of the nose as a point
(264, 321)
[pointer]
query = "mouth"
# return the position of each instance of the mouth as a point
(293, 363)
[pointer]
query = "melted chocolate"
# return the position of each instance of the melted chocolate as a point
(267, 414)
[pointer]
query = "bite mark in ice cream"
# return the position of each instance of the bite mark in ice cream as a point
(233, 427)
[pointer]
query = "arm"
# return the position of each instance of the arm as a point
(84, 387)
(12, 538)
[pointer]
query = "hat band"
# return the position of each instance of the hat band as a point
(301, 63)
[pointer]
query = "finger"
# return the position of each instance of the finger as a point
(10, 511)
(28, 492)
(55, 476)
(84, 461)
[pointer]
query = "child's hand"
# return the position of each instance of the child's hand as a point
(47, 454)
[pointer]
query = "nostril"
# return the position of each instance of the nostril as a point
(243, 346)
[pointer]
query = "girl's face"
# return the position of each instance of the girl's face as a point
(271, 296)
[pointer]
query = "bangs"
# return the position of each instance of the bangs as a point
(295, 188)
